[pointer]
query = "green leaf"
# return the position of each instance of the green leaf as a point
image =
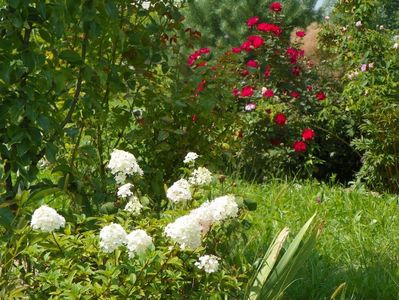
(70, 56)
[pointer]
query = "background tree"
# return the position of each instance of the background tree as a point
(221, 22)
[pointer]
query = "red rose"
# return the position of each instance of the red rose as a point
(194, 118)
(275, 142)
(268, 93)
(275, 7)
(252, 21)
(295, 54)
(300, 34)
(236, 50)
(256, 41)
(321, 96)
(295, 95)
(246, 46)
(252, 63)
(267, 72)
(244, 73)
(296, 71)
(280, 119)
(200, 87)
(247, 91)
(201, 64)
(204, 50)
(309, 88)
(236, 92)
(308, 134)
(266, 27)
(299, 146)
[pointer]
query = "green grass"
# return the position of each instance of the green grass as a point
(358, 245)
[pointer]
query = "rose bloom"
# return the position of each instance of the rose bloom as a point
(247, 91)
(194, 118)
(276, 7)
(236, 50)
(299, 146)
(244, 73)
(266, 27)
(296, 71)
(321, 96)
(246, 46)
(295, 95)
(267, 72)
(268, 93)
(300, 34)
(252, 21)
(309, 88)
(204, 50)
(308, 134)
(236, 92)
(280, 119)
(252, 63)
(256, 41)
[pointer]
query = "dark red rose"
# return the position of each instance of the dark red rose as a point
(252, 63)
(236, 50)
(296, 71)
(194, 118)
(295, 94)
(252, 21)
(308, 134)
(256, 41)
(300, 34)
(299, 146)
(276, 7)
(280, 119)
(320, 96)
(268, 93)
(247, 91)
(267, 72)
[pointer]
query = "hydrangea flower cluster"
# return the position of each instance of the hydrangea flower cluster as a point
(46, 219)
(137, 242)
(123, 163)
(187, 230)
(179, 191)
(134, 206)
(208, 263)
(111, 237)
(190, 157)
(200, 176)
(124, 190)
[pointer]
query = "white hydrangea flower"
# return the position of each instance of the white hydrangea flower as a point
(204, 216)
(137, 242)
(201, 176)
(134, 206)
(179, 191)
(208, 263)
(190, 157)
(111, 237)
(185, 231)
(46, 219)
(123, 163)
(146, 5)
(358, 24)
(224, 207)
(124, 190)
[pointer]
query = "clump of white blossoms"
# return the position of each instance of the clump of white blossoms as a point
(137, 242)
(185, 231)
(179, 191)
(208, 263)
(201, 176)
(224, 207)
(46, 219)
(124, 190)
(111, 237)
(123, 163)
(133, 206)
(204, 216)
(217, 210)
(190, 157)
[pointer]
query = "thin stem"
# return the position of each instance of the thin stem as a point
(55, 240)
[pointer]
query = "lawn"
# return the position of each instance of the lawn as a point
(358, 244)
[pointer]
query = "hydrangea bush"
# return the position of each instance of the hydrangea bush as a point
(179, 253)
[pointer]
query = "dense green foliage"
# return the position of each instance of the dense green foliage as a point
(366, 58)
